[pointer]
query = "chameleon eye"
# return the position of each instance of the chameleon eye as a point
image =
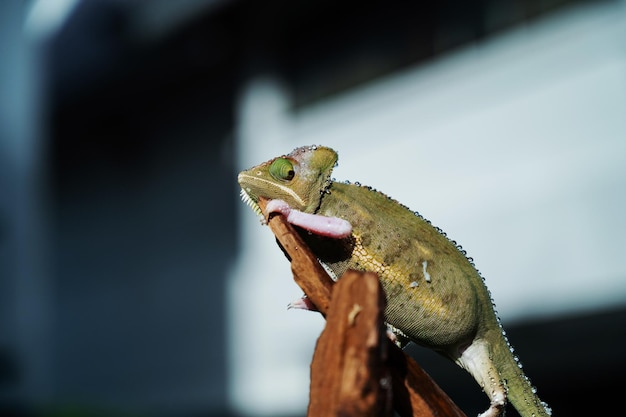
(282, 169)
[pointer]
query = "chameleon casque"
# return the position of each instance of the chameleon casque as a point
(435, 296)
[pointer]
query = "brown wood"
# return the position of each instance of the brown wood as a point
(350, 359)
(414, 392)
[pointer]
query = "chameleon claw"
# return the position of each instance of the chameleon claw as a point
(396, 336)
(277, 206)
(392, 336)
(303, 303)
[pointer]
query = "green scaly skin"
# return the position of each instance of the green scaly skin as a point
(435, 296)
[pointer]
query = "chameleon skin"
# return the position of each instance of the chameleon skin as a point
(435, 295)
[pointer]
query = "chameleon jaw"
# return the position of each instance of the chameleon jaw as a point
(245, 197)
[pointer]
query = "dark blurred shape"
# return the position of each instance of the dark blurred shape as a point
(8, 369)
(142, 157)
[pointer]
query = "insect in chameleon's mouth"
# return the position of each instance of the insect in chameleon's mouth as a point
(245, 197)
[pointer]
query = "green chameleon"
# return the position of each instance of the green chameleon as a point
(435, 295)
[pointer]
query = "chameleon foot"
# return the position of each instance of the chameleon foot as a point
(303, 303)
(496, 409)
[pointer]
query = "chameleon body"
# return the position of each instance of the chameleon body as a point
(435, 295)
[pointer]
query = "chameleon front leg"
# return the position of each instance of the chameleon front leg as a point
(333, 227)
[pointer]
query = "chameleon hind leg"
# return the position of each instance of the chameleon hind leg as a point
(476, 360)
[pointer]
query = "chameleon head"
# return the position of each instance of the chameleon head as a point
(299, 178)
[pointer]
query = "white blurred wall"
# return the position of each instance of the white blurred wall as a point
(516, 147)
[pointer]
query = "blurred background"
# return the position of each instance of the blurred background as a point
(132, 280)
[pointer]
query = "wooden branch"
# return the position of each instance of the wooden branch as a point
(350, 358)
(414, 392)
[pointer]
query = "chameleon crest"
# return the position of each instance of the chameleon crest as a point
(435, 296)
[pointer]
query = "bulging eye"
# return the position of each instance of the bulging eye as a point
(282, 169)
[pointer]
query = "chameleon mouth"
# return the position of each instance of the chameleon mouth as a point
(245, 197)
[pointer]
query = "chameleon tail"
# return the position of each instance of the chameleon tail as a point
(520, 392)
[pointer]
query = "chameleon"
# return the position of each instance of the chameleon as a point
(435, 295)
